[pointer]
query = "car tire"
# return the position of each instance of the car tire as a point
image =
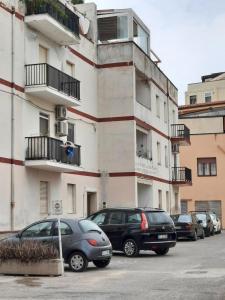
(101, 263)
(202, 236)
(78, 262)
(195, 237)
(163, 251)
(130, 248)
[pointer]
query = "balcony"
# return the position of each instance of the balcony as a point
(48, 154)
(46, 82)
(180, 134)
(54, 20)
(181, 176)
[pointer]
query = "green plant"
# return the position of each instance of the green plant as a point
(77, 1)
(27, 251)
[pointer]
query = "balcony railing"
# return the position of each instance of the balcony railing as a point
(47, 148)
(57, 11)
(44, 74)
(180, 131)
(181, 175)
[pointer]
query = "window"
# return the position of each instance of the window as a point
(166, 156)
(176, 202)
(117, 217)
(159, 153)
(167, 202)
(133, 218)
(165, 112)
(71, 199)
(44, 124)
(142, 144)
(70, 68)
(141, 37)
(160, 198)
(71, 132)
(38, 230)
(87, 226)
(43, 55)
(193, 99)
(184, 206)
(44, 197)
(99, 219)
(157, 106)
(64, 228)
(208, 97)
(207, 166)
(113, 28)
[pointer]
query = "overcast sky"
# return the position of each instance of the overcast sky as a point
(187, 35)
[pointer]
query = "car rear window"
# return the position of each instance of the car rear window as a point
(87, 225)
(201, 217)
(158, 217)
(182, 218)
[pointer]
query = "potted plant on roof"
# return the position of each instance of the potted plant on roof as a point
(29, 258)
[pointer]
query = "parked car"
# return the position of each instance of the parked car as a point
(207, 222)
(133, 229)
(82, 241)
(187, 226)
(216, 222)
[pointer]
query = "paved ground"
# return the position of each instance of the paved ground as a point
(191, 270)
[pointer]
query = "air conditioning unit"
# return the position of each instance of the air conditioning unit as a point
(61, 128)
(60, 112)
(175, 148)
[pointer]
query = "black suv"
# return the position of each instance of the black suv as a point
(207, 222)
(134, 229)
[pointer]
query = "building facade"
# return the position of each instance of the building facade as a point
(204, 114)
(88, 119)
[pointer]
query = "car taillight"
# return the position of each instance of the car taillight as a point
(92, 242)
(144, 222)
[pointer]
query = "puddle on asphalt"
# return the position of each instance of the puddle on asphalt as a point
(29, 281)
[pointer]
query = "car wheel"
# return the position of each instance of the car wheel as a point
(162, 251)
(101, 263)
(202, 236)
(130, 248)
(195, 237)
(78, 262)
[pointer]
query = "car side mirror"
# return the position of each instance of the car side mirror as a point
(199, 221)
(208, 221)
(18, 235)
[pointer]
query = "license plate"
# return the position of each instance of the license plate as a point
(178, 227)
(162, 236)
(105, 253)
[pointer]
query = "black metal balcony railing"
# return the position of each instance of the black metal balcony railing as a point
(181, 174)
(46, 148)
(180, 131)
(57, 11)
(44, 74)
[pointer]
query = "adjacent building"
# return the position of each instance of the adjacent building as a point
(204, 114)
(88, 119)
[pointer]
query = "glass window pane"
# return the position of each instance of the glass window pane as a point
(38, 230)
(207, 169)
(213, 168)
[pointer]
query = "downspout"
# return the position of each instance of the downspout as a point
(12, 192)
(169, 147)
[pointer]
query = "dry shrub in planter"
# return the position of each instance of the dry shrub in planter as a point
(27, 251)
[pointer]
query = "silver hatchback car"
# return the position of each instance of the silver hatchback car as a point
(82, 241)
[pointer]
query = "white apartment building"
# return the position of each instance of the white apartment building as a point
(87, 117)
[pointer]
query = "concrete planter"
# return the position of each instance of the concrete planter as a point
(52, 267)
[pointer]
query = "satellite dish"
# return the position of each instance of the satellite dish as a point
(84, 24)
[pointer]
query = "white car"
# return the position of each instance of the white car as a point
(216, 223)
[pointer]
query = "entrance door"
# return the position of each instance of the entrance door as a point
(91, 203)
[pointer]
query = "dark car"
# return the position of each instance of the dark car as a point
(82, 241)
(188, 226)
(134, 229)
(207, 222)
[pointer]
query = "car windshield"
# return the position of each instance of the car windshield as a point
(181, 218)
(201, 217)
(87, 225)
(159, 217)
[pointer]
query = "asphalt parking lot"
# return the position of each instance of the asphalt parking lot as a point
(191, 270)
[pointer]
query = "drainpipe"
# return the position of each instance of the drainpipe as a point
(12, 192)
(169, 146)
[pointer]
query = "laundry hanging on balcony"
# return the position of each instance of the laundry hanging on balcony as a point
(69, 149)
